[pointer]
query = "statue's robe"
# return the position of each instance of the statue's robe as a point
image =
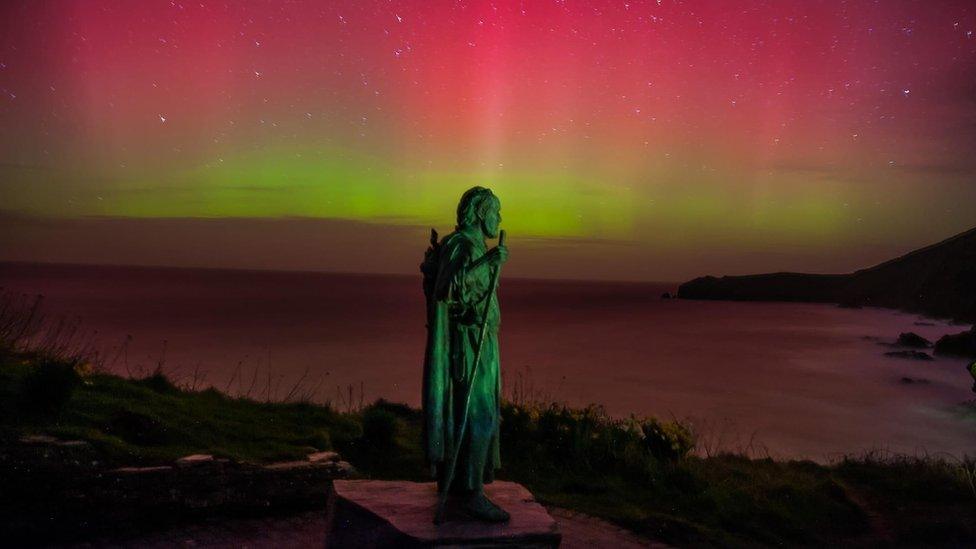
(456, 297)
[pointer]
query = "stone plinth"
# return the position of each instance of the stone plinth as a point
(372, 513)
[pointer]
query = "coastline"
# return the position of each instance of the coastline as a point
(936, 280)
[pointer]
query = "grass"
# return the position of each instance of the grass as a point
(151, 421)
(575, 458)
(920, 501)
(640, 473)
(614, 470)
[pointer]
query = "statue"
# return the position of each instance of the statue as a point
(462, 383)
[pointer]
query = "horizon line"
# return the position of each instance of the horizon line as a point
(309, 271)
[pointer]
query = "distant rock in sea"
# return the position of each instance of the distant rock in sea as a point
(937, 280)
(911, 380)
(911, 339)
(912, 355)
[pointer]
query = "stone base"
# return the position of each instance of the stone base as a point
(372, 513)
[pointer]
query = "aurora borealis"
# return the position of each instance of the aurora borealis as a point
(632, 140)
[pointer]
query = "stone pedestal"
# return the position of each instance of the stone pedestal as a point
(372, 513)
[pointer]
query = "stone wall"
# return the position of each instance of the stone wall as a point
(57, 490)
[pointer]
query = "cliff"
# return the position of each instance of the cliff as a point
(937, 280)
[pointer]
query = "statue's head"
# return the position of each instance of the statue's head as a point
(479, 207)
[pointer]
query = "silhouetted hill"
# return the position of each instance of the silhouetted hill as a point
(938, 280)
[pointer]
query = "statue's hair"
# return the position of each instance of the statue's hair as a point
(474, 205)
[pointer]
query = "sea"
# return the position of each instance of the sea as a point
(784, 380)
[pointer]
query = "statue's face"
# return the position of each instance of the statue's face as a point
(491, 221)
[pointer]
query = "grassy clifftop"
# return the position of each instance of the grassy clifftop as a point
(640, 473)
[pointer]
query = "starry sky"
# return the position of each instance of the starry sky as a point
(632, 140)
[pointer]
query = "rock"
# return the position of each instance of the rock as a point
(194, 459)
(93, 501)
(911, 339)
(74, 443)
(38, 439)
(335, 468)
(289, 465)
(323, 456)
(961, 344)
(371, 513)
(913, 355)
(52, 441)
(47, 457)
(344, 468)
(142, 470)
(911, 380)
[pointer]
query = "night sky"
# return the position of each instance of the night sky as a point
(652, 140)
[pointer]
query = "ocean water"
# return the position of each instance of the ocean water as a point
(783, 379)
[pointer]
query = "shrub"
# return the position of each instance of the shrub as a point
(49, 385)
(667, 441)
(379, 427)
(157, 381)
(588, 441)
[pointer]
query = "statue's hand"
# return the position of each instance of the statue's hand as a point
(497, 255)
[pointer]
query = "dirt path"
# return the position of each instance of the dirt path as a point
(308, 530)
(585, 532)
(879, 531)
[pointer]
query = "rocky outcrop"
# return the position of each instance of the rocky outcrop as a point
(961, 344)
(911, 339)
(768, 287)
(938, 280)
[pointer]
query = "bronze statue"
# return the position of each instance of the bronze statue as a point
(462, 382)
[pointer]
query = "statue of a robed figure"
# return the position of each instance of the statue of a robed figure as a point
(462, 382)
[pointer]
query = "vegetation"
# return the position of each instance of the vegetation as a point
(640, 473)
